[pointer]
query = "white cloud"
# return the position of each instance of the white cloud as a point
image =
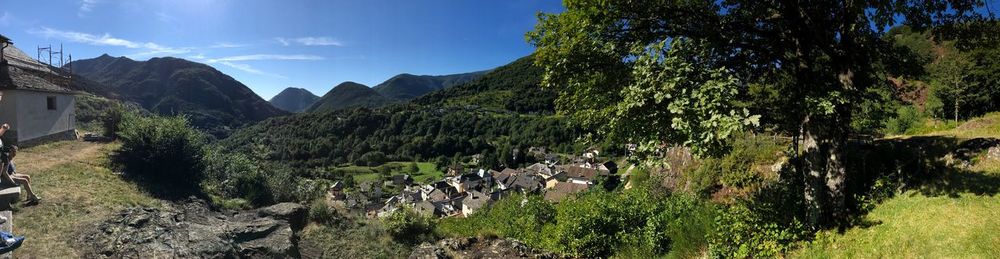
(283, 41)
(148, 48)
(265, 57)
(249, 69)
(226, 45)
(86, 6)
(310, 41)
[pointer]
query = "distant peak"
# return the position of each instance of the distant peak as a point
(350, 84)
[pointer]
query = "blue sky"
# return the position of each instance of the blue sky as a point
(271, 45)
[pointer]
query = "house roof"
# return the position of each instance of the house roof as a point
(475, 200)
(21, 72)
(562, 190)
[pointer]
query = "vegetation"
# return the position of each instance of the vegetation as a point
(401, 133)
(633, 223)
(512, 87)
(160, 150)
(407, 86)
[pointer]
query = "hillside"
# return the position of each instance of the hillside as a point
(514, 87)
(294, 99)
(212, 100)
(407, 86)
(348, 94)
(398, 133)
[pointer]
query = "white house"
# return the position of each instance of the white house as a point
(35, 100)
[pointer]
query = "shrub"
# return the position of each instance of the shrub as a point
(112, 119)
(764, 225)
(373, 158)
(907, 118)
(320, 212)
(160, 150)
(406, 226)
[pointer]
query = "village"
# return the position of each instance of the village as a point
(466, 190)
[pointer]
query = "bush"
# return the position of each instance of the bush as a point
(764, 225)
(907, 118)
(112, 119)
(373, 158)
(406, 226)
(236, 176)
(160, 150)
(320, 212)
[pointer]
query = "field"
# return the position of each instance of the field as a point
(426, 173)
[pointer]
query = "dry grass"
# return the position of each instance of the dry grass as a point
(78, 190)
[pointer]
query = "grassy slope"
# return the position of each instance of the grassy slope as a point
(428, 172)
(77, 189)
(913, 225)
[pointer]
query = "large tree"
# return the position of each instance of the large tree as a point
(665, 71)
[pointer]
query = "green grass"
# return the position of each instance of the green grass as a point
(962, 223)
(426, 173)
(987, 126)
(78, 190)
(916, 226)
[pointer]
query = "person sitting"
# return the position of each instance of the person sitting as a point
(12, 175)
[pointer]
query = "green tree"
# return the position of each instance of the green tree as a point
(950, 79)
(614, 62)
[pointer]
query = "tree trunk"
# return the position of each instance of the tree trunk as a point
(956, 110)
(836, 173)
(811, 170)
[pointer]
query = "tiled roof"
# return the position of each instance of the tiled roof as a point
(22, 72)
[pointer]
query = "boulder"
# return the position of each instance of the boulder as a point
(192, 229)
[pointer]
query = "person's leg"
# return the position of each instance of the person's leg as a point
(23, 182)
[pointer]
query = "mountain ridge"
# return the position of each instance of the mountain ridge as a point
(212, 100)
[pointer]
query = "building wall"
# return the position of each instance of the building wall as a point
(33, 118)
(8, 114)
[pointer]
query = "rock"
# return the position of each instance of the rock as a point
(193, 230)
(294, 213)
(472, 247)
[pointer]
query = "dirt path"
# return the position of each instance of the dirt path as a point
(43, 158)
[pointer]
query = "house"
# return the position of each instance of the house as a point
(336, 191)
(556, 178)
(402, 180)
(526, 183)
(540, 169)
(473, 202)
(425, 208)
(466, 182)
(505, 178)
(562, 190)
(551, 159)
(34, 100)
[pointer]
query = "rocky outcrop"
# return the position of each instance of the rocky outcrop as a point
(472, 247)
(192, 230)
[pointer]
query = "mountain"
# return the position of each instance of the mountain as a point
(213, 101)
(294, 99)
(349, 94)
(407, 86)
(514, 87)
